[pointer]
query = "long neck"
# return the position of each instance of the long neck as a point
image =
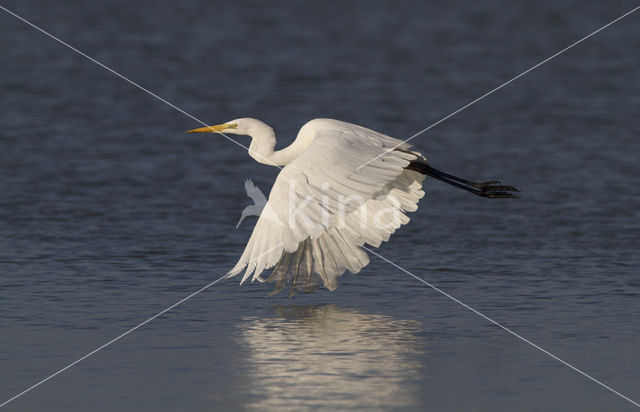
(263, 143)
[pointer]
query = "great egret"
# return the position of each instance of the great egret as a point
(330, 199)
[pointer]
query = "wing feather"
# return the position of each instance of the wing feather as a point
(308, 229)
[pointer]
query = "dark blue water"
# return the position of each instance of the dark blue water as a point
(109, 213)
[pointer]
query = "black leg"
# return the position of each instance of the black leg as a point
(491, 189)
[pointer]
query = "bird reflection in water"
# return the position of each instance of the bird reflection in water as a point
(331, 357)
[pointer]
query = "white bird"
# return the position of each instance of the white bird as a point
(341, 186)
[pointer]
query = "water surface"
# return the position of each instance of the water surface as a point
(109, 214)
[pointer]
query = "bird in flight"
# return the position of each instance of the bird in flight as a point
(341, 186)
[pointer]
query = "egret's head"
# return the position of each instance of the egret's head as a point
(243, 126)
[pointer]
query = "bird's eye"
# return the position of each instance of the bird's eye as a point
(233, 126)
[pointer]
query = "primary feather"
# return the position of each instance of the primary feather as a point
(324, 204)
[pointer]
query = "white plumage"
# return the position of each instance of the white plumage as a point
(329, 199)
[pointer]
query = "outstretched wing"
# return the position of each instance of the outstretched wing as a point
(325, 204)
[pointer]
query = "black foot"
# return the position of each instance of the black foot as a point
(494, 189)
(491, 189)
(489, 183)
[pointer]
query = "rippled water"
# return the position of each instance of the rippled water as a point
(109, 214)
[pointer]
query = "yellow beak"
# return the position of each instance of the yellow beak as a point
(213, 129)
